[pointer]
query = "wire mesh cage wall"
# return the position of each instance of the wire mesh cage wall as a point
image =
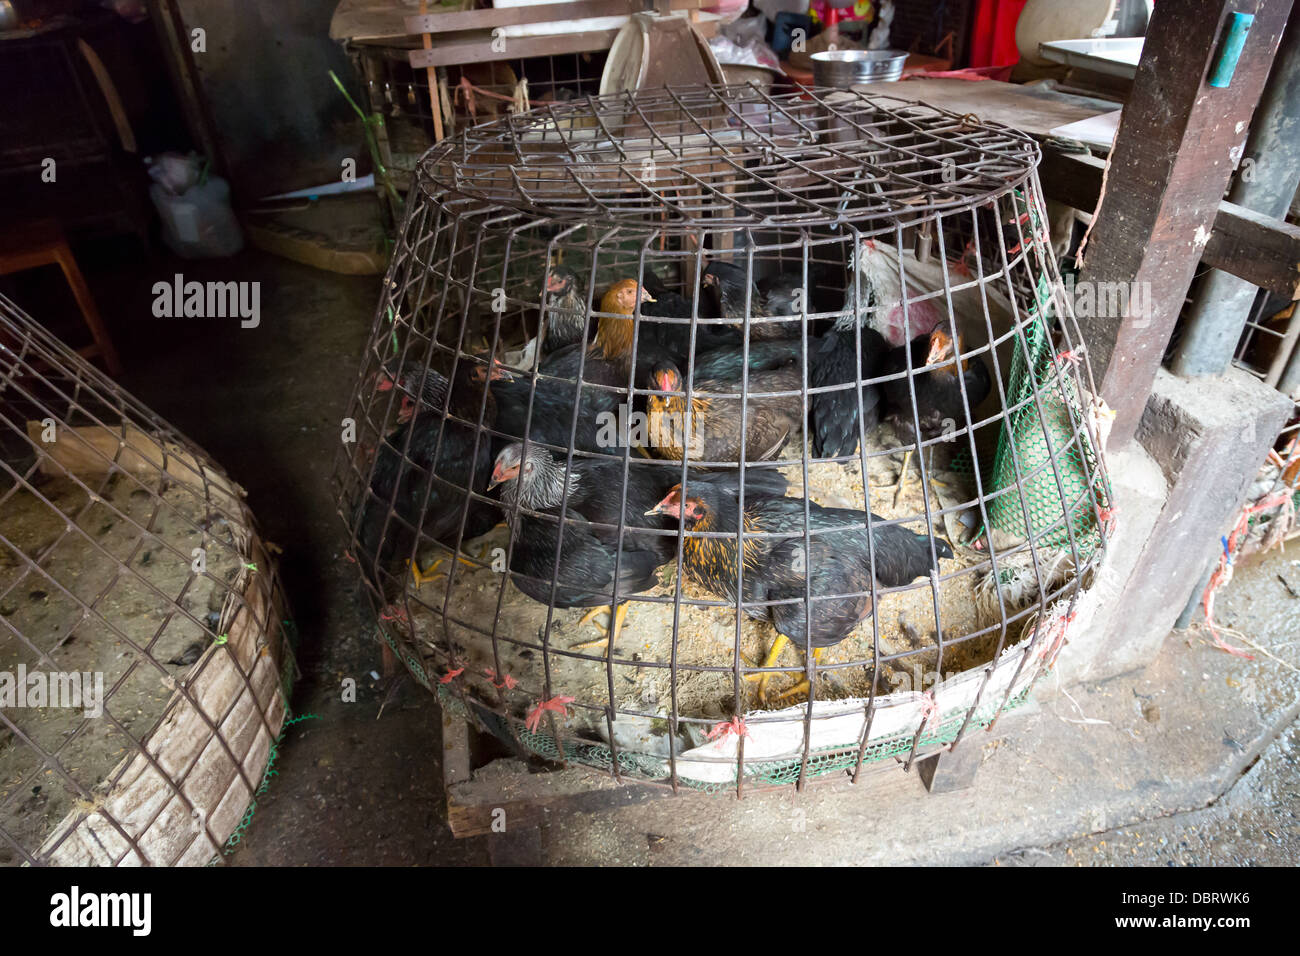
(721, 363)
(468, 94)
(144, 654)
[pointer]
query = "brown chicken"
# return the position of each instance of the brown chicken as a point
(715, 432)
(608, 359)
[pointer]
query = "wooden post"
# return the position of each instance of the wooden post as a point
(431, 74)
(1164, 180)
(952, 770)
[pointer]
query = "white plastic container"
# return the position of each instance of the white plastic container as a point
(199, 223)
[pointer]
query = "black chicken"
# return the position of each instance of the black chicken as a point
(836, 429)
(420, 473)
(834, 562)
(585, 574)
(940, 408)
(671, 341)
(565, 310)
(874, 301)
(419, 387)
(593, 489)
(730, 283)
(785, 294)
(552, 413)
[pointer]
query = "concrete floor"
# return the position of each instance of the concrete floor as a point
(1133, 770)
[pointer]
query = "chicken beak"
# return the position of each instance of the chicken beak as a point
(656, 510)
(500, 474)
(939, 346)
(646, 296)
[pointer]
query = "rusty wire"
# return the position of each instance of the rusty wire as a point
(665, 182)
(44, 382)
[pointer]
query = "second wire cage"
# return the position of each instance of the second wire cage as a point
(719, 438)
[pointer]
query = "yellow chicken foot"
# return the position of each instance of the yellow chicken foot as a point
(763, 679)
(616, 619)
(432, 573)
(803, 686)
(930, 471)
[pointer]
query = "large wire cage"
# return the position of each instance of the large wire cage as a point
(145, 659)
(720, 363)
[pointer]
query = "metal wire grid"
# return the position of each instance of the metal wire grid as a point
(1269, 335)
(456, 252)
(1267, 343)
(678, 159)
(391, 88)
(42, 380)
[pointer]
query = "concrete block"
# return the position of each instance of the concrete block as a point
(1206, 438)
(1140, 493)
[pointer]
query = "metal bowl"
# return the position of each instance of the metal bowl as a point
(845, 68)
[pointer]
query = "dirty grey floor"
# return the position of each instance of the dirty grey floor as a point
(1158, 768)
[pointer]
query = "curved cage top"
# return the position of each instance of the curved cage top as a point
(670, 159)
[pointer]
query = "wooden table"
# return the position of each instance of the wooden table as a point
(1036, 113)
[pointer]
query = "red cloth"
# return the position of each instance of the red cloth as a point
(993, 38)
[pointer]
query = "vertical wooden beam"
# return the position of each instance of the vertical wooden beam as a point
(431, 74)
(175, 41)
(1164, 180)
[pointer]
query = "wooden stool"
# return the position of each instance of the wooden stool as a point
(41, 243)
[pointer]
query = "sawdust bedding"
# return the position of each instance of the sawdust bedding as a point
(56, 637)
(640, 681)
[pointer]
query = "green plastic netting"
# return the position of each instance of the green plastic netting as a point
(760, 772)
(1045, 415)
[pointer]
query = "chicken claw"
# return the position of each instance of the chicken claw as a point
(763, 679)
(901, 484)
(432, 573)
(616, 619)
(803, 686)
